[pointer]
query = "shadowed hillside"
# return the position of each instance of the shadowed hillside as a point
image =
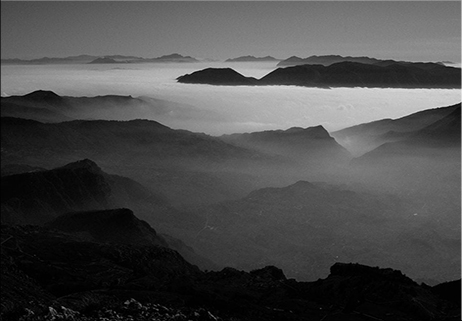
(60, 195)
(61, 277)
(304, 145)
(365, 137)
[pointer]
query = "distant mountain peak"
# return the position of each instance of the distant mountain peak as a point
(302, 184)
(104, 60)
(46, 95)
(217, 76)
(314, 132)
(86, 164)
(250, 58)
(173, 55)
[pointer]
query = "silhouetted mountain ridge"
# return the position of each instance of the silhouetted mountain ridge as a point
(89, 200)
(217, 76)
(251, 59)
(301, 144)
(444, 135)
(365, 137)
(341, 74)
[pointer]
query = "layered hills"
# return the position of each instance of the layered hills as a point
(305, 226)
(47, 106)
(81, 198)
(441, 135)
(107, 246)
(305, 145)
(365, 137)
(202, 168)
(341, 74)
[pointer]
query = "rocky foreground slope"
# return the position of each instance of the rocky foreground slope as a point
(50, 275)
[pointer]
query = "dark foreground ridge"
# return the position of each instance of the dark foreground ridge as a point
(49, 275)
(342, 74)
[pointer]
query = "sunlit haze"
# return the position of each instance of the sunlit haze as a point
(226, 109)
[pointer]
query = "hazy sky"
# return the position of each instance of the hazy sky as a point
(415, 31)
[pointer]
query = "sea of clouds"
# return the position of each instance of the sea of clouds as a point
(226, 109)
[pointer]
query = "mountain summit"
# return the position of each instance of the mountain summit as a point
(217, 76)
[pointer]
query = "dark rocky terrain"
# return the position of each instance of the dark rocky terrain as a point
(341, 74)
(49, 275)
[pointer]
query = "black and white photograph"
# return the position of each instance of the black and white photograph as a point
(230, 160)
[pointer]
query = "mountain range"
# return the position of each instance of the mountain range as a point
(305, 145)
(251, 59)
(341, 74)
(294, 198)
(83, 59)
(326, 60)
(90, 262)
(81, 198)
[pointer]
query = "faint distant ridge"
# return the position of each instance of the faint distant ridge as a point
(251, 59)
(104, 60)
(85, 59)
(175, 57)
(386, 74)
(326, 60)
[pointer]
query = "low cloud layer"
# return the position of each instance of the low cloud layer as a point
(223, 109)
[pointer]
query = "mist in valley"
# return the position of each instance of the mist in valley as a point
(288, 197)
(218, 110)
